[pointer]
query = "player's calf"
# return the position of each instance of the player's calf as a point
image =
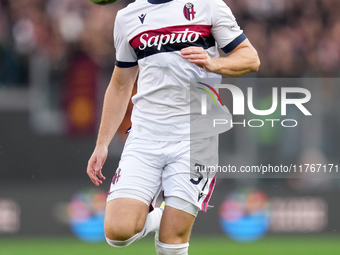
(177, 221)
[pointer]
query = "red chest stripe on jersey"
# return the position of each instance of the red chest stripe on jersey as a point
(171, 39)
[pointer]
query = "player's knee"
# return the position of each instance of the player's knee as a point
(180, 236)
(120, 235)
(120, 232)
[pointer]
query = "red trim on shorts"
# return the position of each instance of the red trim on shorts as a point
(207, 198)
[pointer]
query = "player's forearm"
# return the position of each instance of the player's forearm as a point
(244, 60)
(114, 109)
(116, 101)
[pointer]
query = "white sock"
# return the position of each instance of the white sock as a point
(153, 220)
(122, 244)
(152, 223)
(172, 249)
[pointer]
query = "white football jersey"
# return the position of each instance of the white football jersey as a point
(151, 33)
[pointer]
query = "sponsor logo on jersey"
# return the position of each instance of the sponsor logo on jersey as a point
(169, 39)
(163, 39)
(189, 11)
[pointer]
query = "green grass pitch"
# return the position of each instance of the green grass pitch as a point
(198, 246)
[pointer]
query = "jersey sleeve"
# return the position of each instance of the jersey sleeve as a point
(125, 55)
(225, 29)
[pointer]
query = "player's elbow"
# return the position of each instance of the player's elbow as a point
(255, 61)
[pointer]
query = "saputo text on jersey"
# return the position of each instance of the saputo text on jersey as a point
(163, 39)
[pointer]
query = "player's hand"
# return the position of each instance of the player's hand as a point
(198, 56)
(95, 165)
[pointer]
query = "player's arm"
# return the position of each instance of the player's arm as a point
(116, 101)
(242, 60)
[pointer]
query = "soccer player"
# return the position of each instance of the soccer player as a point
(164, 43)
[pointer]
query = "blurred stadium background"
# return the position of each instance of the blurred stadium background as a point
(56, 58)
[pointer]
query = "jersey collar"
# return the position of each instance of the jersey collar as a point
(159, 1)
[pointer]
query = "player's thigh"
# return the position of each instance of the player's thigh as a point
(188, 177)
(175, 226)
(124, 217)
(134, 186)
(139, 172)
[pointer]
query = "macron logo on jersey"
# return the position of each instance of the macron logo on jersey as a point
(141, 18)
(171, 39)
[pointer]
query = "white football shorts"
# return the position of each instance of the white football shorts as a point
(178, 168)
